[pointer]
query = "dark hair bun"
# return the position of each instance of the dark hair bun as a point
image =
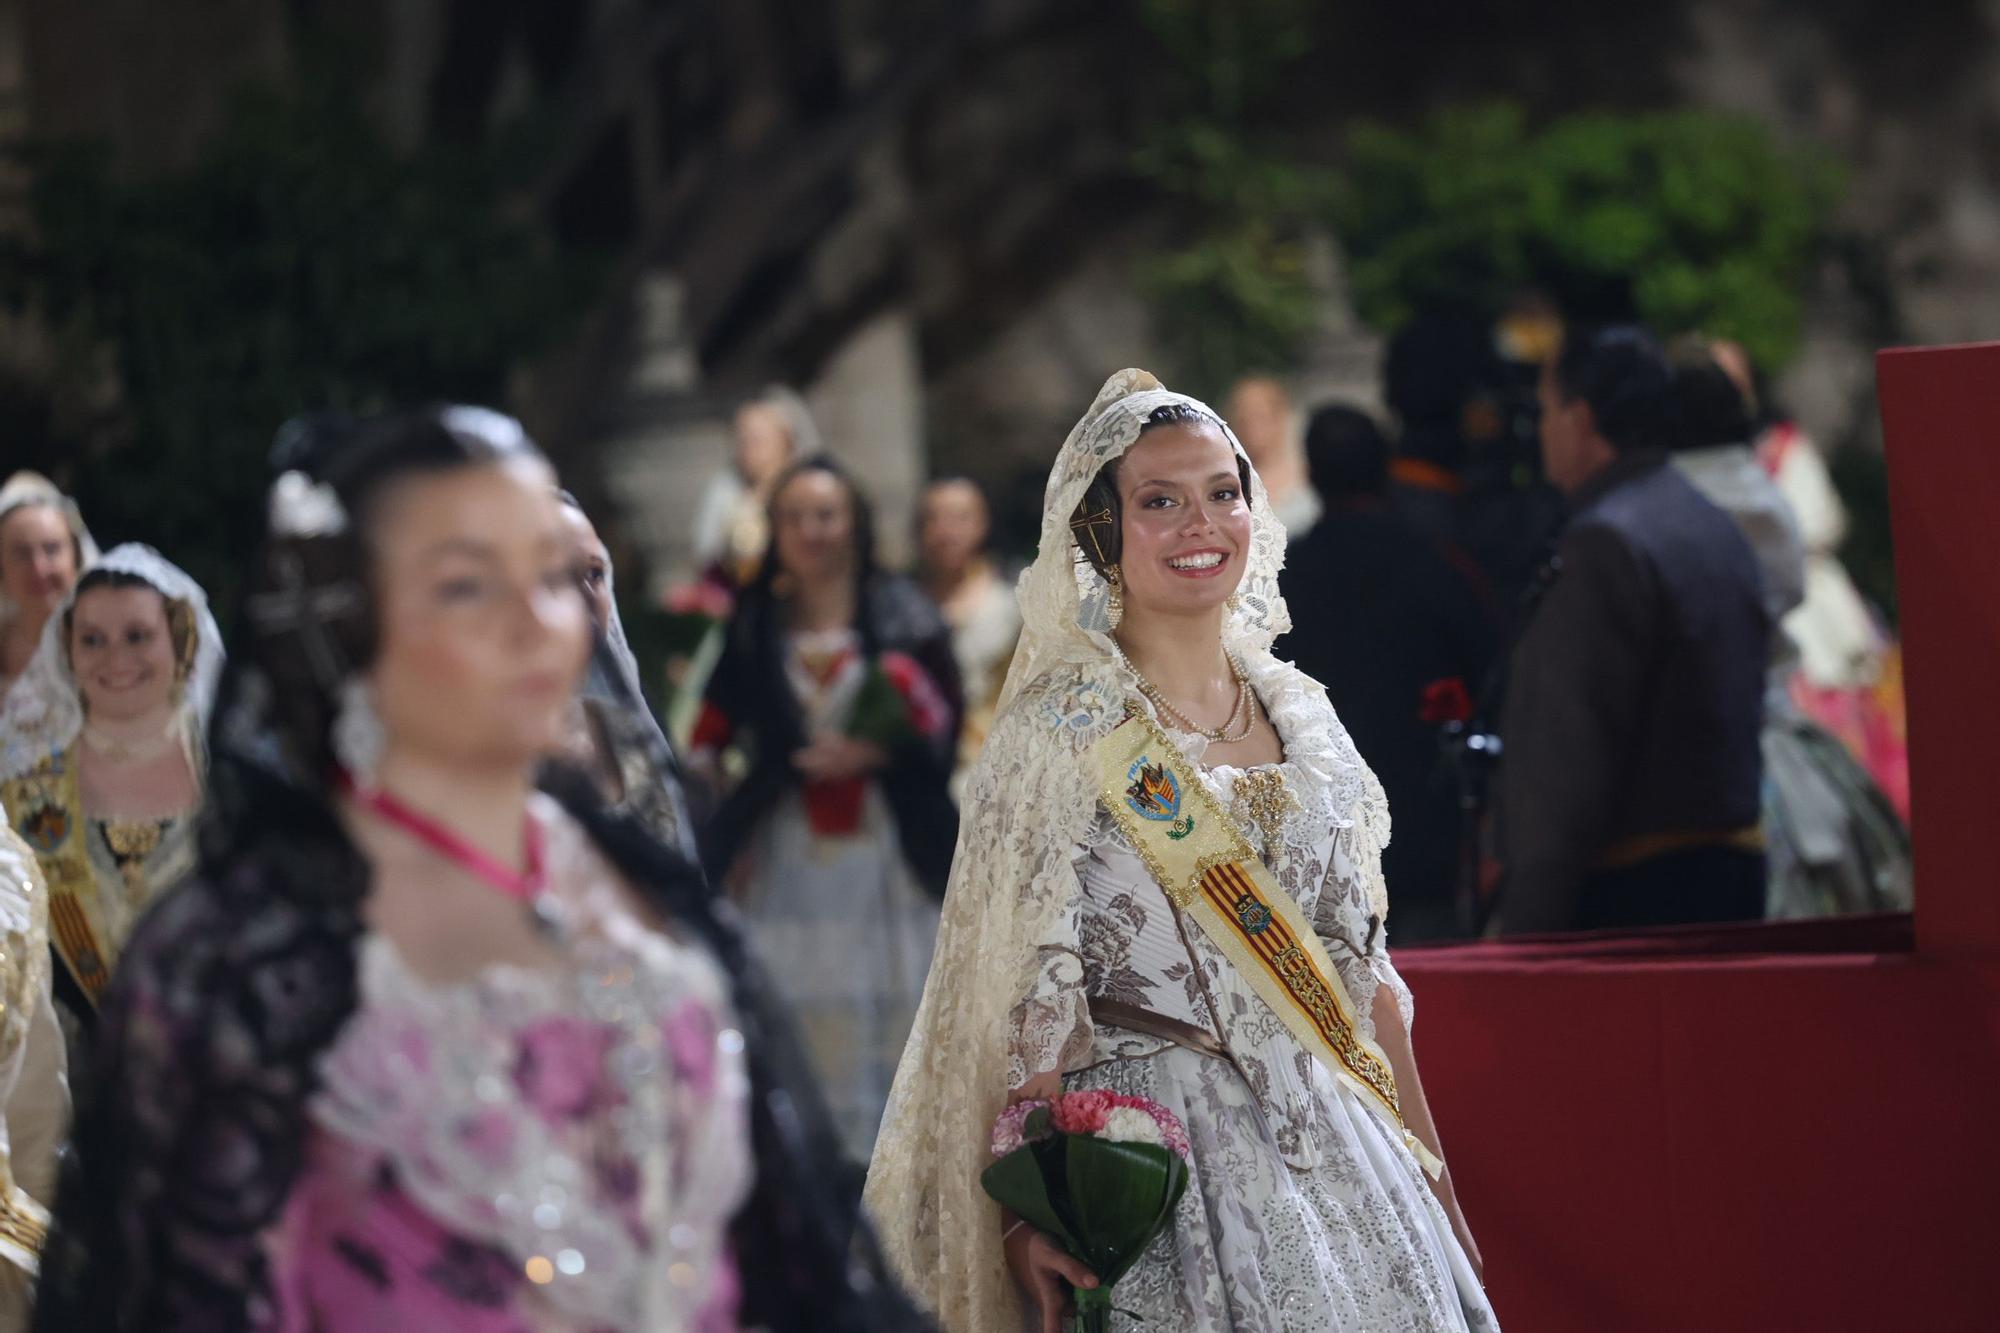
(304, 443)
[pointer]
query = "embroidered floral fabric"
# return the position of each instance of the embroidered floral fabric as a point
(34, 1090)
(207, 1144)
(527, 1150)
(1305, 1211)
(1121, 940)
(999, 1001)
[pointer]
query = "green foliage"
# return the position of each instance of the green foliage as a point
(1230, 289)
(1687, 219)
(300, 264)
(1227, 53)
(1233, 295)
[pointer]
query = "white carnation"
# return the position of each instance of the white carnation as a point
(1127, 1124)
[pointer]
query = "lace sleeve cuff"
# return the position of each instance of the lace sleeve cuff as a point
(1385, 974)
(1050, 1029)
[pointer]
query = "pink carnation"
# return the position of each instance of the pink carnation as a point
(1089, 1114)
(1009, 1129)
(1082, 1112)
(1173, 1132)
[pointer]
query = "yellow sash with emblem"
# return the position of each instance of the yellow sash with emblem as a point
(1208, 870)
(47, 811)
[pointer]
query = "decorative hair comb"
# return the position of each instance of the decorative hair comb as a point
(1089, 524)
(302, 507)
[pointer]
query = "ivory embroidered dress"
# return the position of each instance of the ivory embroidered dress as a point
(34, 1087)
(1059, 950)
(1304, 1211)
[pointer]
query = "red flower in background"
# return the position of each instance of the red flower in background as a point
(701, 598)
(1445, 701)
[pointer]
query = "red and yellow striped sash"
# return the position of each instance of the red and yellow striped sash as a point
(1208, 870)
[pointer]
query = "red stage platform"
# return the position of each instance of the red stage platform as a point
(1771, 1128)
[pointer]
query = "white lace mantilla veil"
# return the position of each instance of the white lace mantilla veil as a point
(1029, 801)
(26, 489)
(43, 713)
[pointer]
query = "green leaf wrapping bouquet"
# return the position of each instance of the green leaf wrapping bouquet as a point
(1099, 1172)
(880, 713)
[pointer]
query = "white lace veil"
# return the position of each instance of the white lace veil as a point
(1029, 801)
(1062, 595)
(43, 713)
(26, 489)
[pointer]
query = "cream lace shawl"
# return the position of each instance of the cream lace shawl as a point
(1028, 802)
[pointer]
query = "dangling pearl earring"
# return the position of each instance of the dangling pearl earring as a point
(1114, 605)
(358, 737)
(1235, 602)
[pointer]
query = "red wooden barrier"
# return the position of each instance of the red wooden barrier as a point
(1771, 1128)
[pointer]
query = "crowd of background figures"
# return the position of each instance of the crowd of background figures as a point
(826, 709)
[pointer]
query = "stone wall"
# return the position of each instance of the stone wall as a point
(1908, 97)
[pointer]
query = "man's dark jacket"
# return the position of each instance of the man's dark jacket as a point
(1635, 693)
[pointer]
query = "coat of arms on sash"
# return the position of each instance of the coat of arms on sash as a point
(47, 827)
(1155, 794)
(1256, 917)
(1215, 878)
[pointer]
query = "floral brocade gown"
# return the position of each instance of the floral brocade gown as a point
(528, 1151)
(1305, 1212)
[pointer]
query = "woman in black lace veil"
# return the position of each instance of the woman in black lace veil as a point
(750, 688)
(238, 982)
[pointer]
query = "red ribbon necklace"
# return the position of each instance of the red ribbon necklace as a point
(522, 886)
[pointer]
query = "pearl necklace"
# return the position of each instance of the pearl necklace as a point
(133, 752)
(1243, 714)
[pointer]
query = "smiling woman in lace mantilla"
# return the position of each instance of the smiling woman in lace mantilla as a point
(102, 759)
(1169, 886)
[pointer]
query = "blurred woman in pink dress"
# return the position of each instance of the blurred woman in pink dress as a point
(433, 1039)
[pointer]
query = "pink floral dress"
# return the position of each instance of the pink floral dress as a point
(529, 1150)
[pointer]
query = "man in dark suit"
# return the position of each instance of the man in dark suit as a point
(1381, 615)
(1629, 790)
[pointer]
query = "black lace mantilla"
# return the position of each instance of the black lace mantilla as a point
(192, 1129)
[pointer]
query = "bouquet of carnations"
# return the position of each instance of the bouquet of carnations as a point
(1099, 1172)
(881, 713)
